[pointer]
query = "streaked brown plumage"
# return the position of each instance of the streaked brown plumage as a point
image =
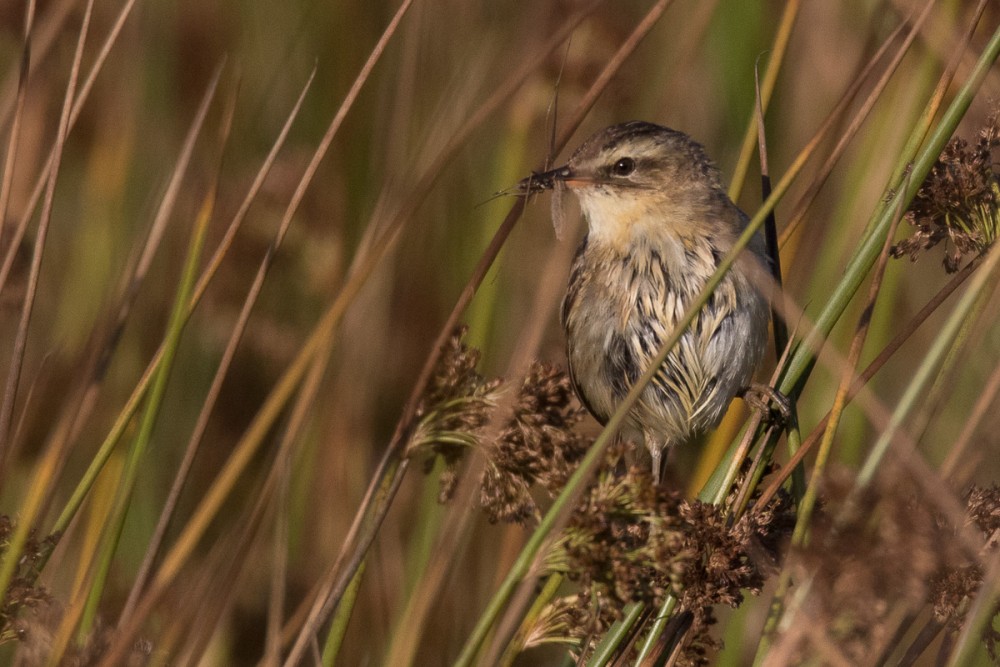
(659, 224)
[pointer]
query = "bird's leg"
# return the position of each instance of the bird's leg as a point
(655, 448)
(657, 461)
(762, 397)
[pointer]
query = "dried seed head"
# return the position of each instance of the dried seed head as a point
(23, 593)
(454, 409)
(537, 446)
(959, 201)
(632, 541)
(887, 554)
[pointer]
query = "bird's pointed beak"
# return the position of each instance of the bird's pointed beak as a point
(546, 180)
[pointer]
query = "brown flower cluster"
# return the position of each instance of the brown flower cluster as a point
(454, 409)
(877, 558)
(631, 541)
(955, 584)
(959, 201)
(627, 539)
(538, 446)
(23, 592)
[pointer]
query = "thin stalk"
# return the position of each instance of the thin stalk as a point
(808, 503)
(717, 488)
(34, 500)
(273, 405)
(15, 126)
(874, 367)
(656, 630)
(27, 308)
(937, 393)
(778, 51)
(804, 203)
(279, 567)
(296, 422)
(427, 561)
(805, 356)
(770, 224)
(128, 411)
(163, 214)
(758, 466)
(201, 425)
(983, 404)
(617, 634)
(915, 389)
(341, 617)
(137, 452)
(89, 543)
(926, 119)
(78, 103)
(49, 28)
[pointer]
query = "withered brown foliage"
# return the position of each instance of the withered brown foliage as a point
(538, 446)
(887, 552)
(957, 204)
(23, 593)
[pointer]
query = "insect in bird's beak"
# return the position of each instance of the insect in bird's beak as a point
(556, 180)
(545, 181)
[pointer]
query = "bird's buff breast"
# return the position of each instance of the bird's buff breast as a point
(621, 306)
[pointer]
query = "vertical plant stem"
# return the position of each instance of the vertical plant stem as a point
(33, 502)
(923, 373)
(201, 425)
(341, 617)
(806, 506)
(616, 635)
(157, 391)
(41, 182)
(15, 126)
(804, 357)
(21, 336)
(766, 89)
(883, 357)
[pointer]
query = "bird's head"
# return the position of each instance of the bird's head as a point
(635, 171)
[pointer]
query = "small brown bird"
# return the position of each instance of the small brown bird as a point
(659, 224)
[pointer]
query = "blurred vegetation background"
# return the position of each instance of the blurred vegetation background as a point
(694, 72)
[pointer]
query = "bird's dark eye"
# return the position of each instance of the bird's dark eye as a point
(623, 167)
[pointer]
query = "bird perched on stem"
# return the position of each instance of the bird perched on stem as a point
(659, 223)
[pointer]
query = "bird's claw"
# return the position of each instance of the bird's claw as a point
(771, 402)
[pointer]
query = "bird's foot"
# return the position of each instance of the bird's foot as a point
(772, 403)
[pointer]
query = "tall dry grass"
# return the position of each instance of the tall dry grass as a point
(237, 243)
